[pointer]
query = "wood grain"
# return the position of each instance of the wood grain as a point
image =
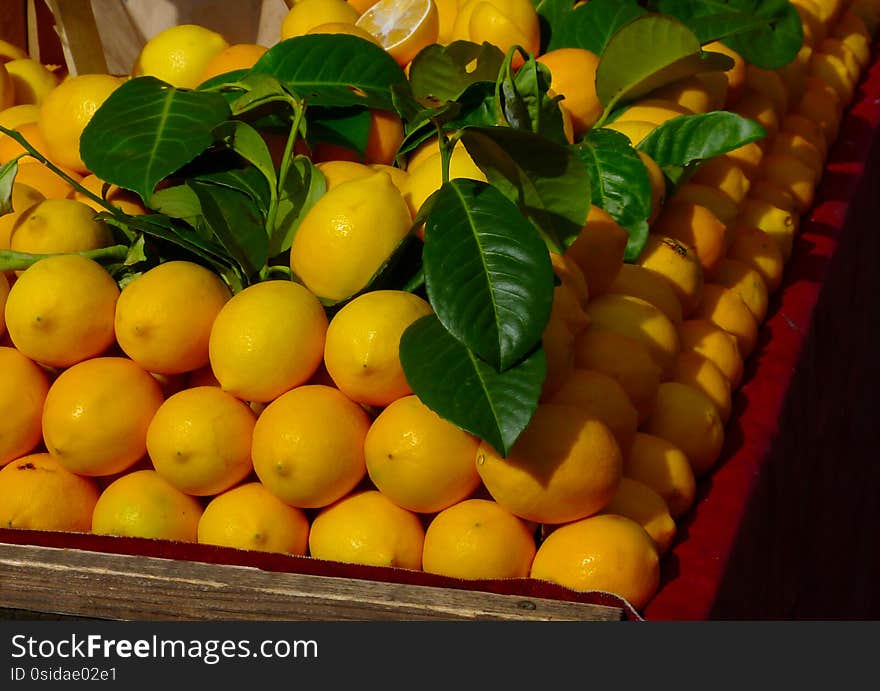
(122, 587)
(79, 36)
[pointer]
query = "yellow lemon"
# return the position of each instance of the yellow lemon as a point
(607, 552)
(250, 517)
(677, 263)
(368, 528)
(179, 54)
(348, 235)
(308, 446)
(503, 23)
(687, 417)
(307, 14)
(362, 344)
(745, 282)
(477, 538)
(663, 467)
(402, 27)
(97, 413)
(143, 504)
(23, 390)
(427, 176)
(564, 466)
(66, 111)
(639, 319)
(601, 396)
(164, 316)
(641, 503)
(191, 449)
(627, 360)
(573, 76)
(419, 460)
(57, 226)
(31, 81)
(701, 373)
(60, 310)
(267, 339)
(36, 493)
(703, 337)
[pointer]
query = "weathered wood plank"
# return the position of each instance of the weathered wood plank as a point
(79, 35)
(115, 586)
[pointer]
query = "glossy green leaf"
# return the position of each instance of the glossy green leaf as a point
(470, 393)
(487, 270)
(442, 73)
(236, 223)
(147, 130)
(304, 185)
(7, 177)
(247, 180)
(345, 127)
(333, 70)
(619, 182)
(591, 26)
(667, 51)
(767, 33)
(526, 105)
(181, 202)
(546, 180)
(250, 145)
(177, 237)
(690, 139)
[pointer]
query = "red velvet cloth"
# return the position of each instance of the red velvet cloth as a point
(786, 526)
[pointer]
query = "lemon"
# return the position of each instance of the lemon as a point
(267, 339)
(60, 310)
(348, 235)
(402, 27)
(31, 81)
(164, 316)
(308, 14)
(66, 111)
(55, 226)
(179, 55)
(363, 340)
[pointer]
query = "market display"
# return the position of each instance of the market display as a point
(456, 286)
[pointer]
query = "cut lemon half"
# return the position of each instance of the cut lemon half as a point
(402, 27)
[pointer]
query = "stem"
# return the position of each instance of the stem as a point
(18, 261)
(58, 171)
(299, 110)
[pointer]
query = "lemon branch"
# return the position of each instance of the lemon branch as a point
(17, 136)
(18, 261)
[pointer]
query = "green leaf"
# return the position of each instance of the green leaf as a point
(236, 223)
(689, 139)
(591, 26)
(526, 105)
(345, 127)
(247, 143)
(487, 270)
(258, 90)
(442, 73)
(7, 177)
(333, 70)
(766, 33)
(304, 185)
(247, 180)
(546, 180)
(470, 393)
(619, 182)
(165, 229)
(667, 51)
(181, 201)
(148, 129)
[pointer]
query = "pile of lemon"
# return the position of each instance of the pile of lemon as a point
(173, 409)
